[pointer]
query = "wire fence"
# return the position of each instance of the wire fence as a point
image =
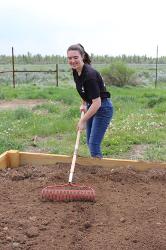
(12, 74)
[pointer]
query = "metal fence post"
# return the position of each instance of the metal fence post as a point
(156, 66)
(57, 75)
(13, 68)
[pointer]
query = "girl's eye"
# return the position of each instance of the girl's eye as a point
(74, 57)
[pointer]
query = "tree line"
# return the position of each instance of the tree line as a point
(97, 59)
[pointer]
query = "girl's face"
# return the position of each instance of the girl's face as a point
(75, 60)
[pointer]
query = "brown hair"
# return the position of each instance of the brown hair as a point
(83, 53)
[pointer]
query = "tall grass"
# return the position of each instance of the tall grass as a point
(139, 119)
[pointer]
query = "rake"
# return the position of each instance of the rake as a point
(69, 191)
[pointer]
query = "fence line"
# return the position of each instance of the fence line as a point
(13, 71)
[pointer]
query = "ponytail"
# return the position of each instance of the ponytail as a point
(84, 54)
(86, 58)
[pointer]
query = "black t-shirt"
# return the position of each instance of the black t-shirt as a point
(90, 84)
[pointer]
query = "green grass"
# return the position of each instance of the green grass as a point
(139, 119)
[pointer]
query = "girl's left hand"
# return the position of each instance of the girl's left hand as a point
(81, 125)
(83, 108)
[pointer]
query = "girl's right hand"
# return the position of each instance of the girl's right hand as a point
(81, 125)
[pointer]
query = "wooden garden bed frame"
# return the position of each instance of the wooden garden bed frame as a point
(15, 158)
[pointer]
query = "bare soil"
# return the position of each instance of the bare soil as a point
(129, 212)
(14, 104)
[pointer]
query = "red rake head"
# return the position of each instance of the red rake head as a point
(68, 192)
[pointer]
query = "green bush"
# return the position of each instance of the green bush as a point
(119, 74)
(22, 113)
(2, 96)
(155, 100)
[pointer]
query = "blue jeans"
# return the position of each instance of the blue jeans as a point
(96, 127)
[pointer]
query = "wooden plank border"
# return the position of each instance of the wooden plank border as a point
(14, 158)
(3, 160)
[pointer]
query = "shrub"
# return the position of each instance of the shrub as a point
(119, 74)
(22, 113)
(155, 100)
(2, 96)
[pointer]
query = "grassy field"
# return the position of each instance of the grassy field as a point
(137, 131)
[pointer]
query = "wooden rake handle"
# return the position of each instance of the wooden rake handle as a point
(75, 153)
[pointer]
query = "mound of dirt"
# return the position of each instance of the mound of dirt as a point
(129, 212)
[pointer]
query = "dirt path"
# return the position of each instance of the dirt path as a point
(20, 103)
(129, 212)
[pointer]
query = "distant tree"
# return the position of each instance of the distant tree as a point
(98, 59)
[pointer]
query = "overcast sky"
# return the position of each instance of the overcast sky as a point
(112, 27)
